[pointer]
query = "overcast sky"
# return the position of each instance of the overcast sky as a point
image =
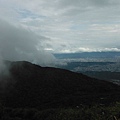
(56, 26)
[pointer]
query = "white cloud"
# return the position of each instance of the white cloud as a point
(82, 49)
(69, 24)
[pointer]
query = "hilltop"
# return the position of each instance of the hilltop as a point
(32, 86)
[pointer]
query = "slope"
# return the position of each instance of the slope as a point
(29, 86)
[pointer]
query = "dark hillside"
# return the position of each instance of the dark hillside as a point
(30, 85)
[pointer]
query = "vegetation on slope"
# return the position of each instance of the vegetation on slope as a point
(32, 86)
(95, 112)
(31, 92)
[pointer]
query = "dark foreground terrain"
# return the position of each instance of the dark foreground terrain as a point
(95, 112)
(28, 86)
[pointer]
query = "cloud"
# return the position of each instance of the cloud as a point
(72, 23)
(85, 49)
(2, 66)
(17, 44)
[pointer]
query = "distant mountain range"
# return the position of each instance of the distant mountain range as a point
(88, 55)
(29, 85)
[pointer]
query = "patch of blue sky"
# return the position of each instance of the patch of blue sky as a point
(28, 14)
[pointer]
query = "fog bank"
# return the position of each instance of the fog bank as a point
(20, 44)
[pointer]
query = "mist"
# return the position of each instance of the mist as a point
(20, 44)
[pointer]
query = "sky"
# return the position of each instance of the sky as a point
(30, 29)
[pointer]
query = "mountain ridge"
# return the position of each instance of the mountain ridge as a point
(30, 85)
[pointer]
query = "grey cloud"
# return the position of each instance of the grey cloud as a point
(67, 22)
(85, 3)
(88, 8)
(17, 43)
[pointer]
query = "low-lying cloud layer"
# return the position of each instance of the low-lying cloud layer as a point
(18, 44)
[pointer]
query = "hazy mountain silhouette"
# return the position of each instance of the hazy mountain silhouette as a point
(29, 85)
